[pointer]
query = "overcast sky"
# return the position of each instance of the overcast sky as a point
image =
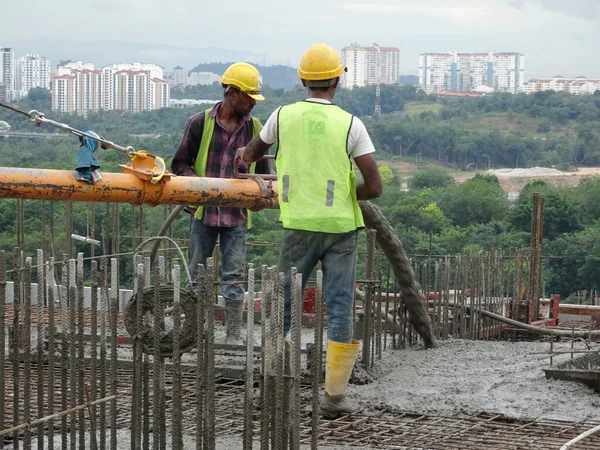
(556, 36)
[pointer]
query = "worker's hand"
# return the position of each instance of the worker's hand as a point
(261, 203)
(240, 154)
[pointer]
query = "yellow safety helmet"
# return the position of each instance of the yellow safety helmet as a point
(320, 62)
(246, 77)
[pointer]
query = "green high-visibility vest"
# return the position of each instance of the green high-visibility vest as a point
(202, 157)
(316, 183)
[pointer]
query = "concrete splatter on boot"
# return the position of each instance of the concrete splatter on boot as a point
(334, 406)
(340, 361)
(233, 321)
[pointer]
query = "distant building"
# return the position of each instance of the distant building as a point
(202, 78)
(79, 87)
(188, 102)
(464, 72)
(7, 75)
(575, 86)
(367, 65)
(32, 71)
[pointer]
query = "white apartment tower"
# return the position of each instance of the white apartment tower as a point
(362, 64)
(464, 72)
(134, 87)
(33, 71)
(7, 74)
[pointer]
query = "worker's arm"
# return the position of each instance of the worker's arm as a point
(183, 161)
(371, 186)
(255, 150)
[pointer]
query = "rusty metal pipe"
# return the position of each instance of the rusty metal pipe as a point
(47, 184)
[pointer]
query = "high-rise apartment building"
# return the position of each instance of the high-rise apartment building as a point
(134, 87)
(464, 72)
(32, 71)
(7, 75)
(370, 65)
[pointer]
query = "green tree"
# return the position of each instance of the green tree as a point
(430, 178)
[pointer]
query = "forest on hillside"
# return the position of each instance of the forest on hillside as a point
(434, 216)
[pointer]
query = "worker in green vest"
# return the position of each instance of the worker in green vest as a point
(318, 142)
(208, 149)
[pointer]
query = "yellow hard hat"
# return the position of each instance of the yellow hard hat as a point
(320, 62)
(246, 77)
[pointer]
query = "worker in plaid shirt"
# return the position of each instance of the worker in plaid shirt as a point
(208, 149)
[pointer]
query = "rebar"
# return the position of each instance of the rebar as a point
(177, 427)
(249, 391)
(279, 383)
(209, 426)
(266, 356)
(136, 400)
(158, 391)
(80, 350)
(40, 340)
(72, 352)
(27, 353)
(2, 341)
(114, 306)
(368, 305)
(102, 363)
(200, 358)
(146, 372)
(296, 369)
(15, 343)
(316, 363)
(64, 347)
(162, 279)
(92, 390)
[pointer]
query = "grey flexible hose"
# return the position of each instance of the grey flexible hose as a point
(163, 229)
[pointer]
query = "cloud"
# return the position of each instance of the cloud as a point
(587, 9)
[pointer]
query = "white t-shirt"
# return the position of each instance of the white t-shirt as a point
(359, 141)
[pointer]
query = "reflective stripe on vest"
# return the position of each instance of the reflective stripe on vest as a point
(202, 156)
(317, 187)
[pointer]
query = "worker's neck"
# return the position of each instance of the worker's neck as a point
(323, 95)
(227, 113)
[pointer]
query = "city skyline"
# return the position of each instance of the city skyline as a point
(557, 36)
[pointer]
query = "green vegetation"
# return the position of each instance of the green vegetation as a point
(434, 216)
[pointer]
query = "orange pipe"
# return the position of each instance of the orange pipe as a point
(46, 184)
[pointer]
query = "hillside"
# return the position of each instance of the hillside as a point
(277, 77)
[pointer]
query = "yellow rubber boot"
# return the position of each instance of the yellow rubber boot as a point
(340, 362)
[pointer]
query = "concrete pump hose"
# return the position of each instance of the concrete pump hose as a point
(535, 329)
(406, 280)
(163, 229)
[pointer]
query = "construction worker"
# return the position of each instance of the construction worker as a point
(208, 149)
(318, 199)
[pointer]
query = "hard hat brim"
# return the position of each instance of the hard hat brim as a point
(258, 97)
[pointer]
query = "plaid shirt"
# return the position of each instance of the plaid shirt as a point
(221, 152)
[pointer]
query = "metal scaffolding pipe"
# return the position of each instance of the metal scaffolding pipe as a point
(47, 184)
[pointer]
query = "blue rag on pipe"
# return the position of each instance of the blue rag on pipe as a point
(86, 164)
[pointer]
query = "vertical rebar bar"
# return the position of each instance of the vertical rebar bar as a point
(114, 307)
(446, 298)
(316, 363)
(93, 390)
(177, 418)
(80, 350)
(378, 314)
(64, 328)
(40, 342)
(146, 368)
(387, 306)
(72, 352)
(209, 427)
(27, 354)
(368, 306)
(249, 388)
(201, 297)
(103, 356)
(17, 274)
(3, 398)
(136, 398)
(279, 383)
(162, 400)
(51, 349)
(157, 393)
(274, 336)
(296, 371)
(266, 356)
